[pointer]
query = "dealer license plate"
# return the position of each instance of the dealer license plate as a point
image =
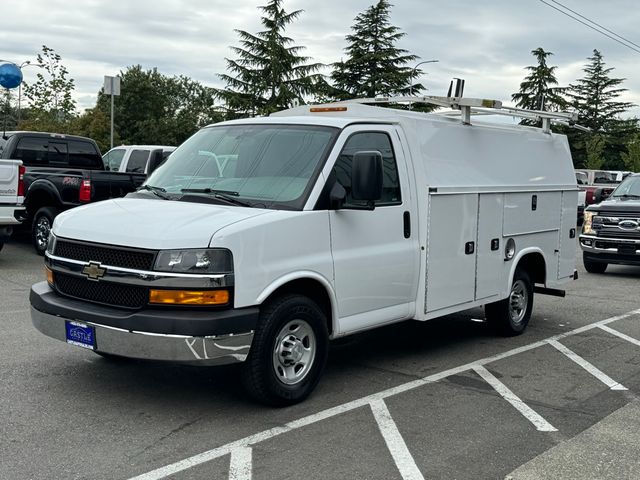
(80, 335)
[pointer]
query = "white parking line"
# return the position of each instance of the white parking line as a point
(620, 334)
(599, 374)
(217, 452)
(395, 443)
(540, 423)
(240, 464)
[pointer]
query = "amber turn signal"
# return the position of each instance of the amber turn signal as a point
(49, 273)
(189, 297)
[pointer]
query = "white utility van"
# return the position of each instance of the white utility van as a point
(261, 239)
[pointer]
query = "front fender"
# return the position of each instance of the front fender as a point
(303, 275)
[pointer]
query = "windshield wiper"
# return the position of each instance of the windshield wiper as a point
(226, 195)
(158, 191)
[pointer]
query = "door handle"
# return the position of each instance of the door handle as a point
(407, 224)
(469, 248)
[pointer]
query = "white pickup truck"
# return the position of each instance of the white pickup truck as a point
(11, 197)
(261, 239)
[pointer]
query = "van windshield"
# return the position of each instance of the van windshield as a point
(271, 166)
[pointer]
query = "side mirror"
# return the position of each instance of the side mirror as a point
(155, 160)
(598, 195)
(366, 176)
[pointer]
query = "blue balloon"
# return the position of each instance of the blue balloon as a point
(10, 75)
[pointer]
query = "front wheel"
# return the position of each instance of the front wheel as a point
(41, 227)
(593, 267)
(511, 316)
(288, 353)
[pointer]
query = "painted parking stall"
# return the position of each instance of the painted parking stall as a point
(240, 451)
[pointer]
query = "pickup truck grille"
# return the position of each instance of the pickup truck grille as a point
(135, 259)
(112, 294)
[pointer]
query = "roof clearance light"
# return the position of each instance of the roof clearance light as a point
(327, 109)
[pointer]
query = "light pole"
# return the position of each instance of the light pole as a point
(413, 71)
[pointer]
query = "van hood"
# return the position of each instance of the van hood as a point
(149, 223)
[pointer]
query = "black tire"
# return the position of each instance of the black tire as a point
(40, 228)
(511, 316)
(290, 327)
(593, 267)
(1, 245)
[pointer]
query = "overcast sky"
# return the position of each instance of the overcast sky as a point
(488, 43)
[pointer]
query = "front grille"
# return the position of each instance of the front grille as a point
(112, 294)
(136, 259)
(618, 233)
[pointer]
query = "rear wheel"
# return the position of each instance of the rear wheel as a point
(41, 227)
(593, 267)
(511, 316)
(288, 353)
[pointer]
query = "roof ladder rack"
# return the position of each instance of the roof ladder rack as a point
(480, 106)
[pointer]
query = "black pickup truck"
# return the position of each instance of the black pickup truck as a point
(611, 229)
(61, 172)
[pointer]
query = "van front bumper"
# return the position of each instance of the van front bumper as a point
(228, 341)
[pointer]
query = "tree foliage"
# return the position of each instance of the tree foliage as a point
(595, 98)
(374, 65)
(51, 105)
(539, 90)
(595, 145)
(269, 73)
(631, 158)
(153, 108)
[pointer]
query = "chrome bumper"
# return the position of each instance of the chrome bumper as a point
(209, 350)
(593, 244)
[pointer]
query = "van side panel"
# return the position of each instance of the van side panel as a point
(567, 257)
(490, 250)
(450, 266)
(532, 212)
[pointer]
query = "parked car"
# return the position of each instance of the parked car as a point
(11, 197)
(62, 172)
(133, 158)
(260, 239)
(611, 229)
(596, 179)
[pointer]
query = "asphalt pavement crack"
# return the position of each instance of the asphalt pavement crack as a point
(164, 437)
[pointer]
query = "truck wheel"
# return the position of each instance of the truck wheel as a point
(41, 227)
(288, 353)
(511, 316)
(593, 267)
(1, 245)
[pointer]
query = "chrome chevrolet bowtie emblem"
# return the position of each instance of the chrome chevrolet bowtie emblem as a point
(94, 271)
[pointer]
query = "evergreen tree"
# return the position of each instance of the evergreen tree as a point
(269, 73)
(538, 90)
(594, 96)
(374, 65)
(50, 97)
(631, 158)
(595, 145)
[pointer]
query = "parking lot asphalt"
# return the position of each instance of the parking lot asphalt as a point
(440, 399)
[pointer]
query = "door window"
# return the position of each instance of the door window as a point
(83, 155)
(370, 141)
(32, 151)
(138, 161)
(58, 154)
(113, 159)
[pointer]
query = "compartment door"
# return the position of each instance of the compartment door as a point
(568, 242)
(451, 250)
(490, 269)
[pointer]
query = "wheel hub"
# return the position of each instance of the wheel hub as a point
(294, 352)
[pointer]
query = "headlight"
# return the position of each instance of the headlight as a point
(214, 260)
(587, 225)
